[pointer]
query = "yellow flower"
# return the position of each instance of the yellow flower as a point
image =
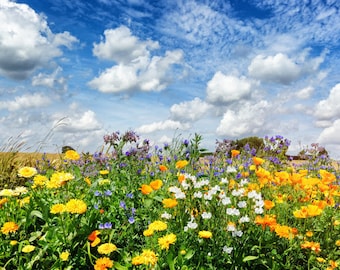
(13, 242)
(158, 226)
(165, 241)
(137, 260)
(181, 164)
(146, 189)
(24, 201)
(58, 179)
(75, 206)
(149, 256)
(205, 234)
(39, 180)
(309, 234)
(148, 233)
(156, 184)
(182, 252)
(87, 180)
(337, 243)
(28, 248)
(106, 248)
(3, 201)
(7, 192)
(9, 227)
(104, 172)
(64, 256)
(320, 259)
(169, 203)
(103, 263)
(102, 182)
(72, 155)
(57, 208)
(27, 172)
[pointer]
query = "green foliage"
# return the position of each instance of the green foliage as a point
(252, 142)
(231, 213)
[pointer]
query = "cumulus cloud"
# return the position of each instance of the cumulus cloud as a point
(163, 125)
(53, 80)
(329, 108)
(227, 88)
(330, 135)
(27, 42)
(278, 68)
(305, 93)
(189, 110)
(135, 68)
(27, 101)
(78, 122)
(248, 119)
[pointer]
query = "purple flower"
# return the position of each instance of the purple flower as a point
(108, 192)
(131, 220)
(106, 225)
(129, 195)
(122, 204)
(97, 193)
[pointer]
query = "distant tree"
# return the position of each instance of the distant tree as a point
(252, 142)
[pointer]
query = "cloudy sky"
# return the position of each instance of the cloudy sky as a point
(72, 71)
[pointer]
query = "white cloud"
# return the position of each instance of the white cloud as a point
(329, 108)
(226, 88)
(249, 119)
(121, 46)
(163, 125)
(189, 110)
(330, 135)
(136, 69)
(50, 80)
(27, 42)
(78, 122)
(27, 101)
(278, 68)
(305, 93)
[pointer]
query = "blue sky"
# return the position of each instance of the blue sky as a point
(72, 71)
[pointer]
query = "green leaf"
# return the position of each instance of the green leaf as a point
(119, 266)
(250, 258)
(189, 254)
(36, 213)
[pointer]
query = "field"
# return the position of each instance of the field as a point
(136, 206)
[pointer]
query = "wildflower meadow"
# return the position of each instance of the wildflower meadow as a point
(137, 206)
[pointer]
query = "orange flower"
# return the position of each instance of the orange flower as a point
(311, 245)
(268, 204)
(284, 231)
(234, 153)
(103, 263)
(181, 164)
(169, 203)
(181, 177)
(267, 220)
(93, 237)
(258, 161)
(163, 168)
(146, 189)
(156, 184)
(307, 211)
(9, 227)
